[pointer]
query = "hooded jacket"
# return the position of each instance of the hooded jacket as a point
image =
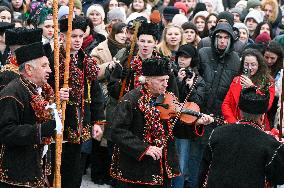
(218, 68)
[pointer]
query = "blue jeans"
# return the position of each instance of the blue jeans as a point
(190, 154)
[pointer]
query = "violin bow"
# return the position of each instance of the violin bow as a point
(281, 108)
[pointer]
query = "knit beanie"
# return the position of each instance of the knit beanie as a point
(201, 14)
(78, 4)
(263, 38)
(236, 10)
(256, 15)
(252, 4)
(199, 7)
(179, 19)
(97, 8)
(227, 16)
(182, 6)
(280, 39)
(241, 26)
(189, 25)
(169, 12)
(241, 4)
(116, 14)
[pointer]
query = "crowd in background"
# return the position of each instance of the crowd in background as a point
(216, 47)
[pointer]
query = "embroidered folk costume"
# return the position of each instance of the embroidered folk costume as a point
(242, 154)
(136, 126)
(14, 38)
(25, 127)
(80, 114)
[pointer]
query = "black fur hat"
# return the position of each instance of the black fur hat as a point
(156, 66)
(149, 29)
(29, 52)
(22, 36)
(253, 101)
(78, 22)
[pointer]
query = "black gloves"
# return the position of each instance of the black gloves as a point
(47, 129)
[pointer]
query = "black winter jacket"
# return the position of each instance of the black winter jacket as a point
(218, 71)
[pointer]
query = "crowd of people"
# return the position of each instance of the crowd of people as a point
(161, 93)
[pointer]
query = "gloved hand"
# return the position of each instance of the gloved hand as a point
(48, 128)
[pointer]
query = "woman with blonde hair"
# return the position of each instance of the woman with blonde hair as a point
(172, 39)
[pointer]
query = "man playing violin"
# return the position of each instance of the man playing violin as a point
(144, 153)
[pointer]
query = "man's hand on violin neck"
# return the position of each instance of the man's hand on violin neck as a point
(205, 120)
(155, 152)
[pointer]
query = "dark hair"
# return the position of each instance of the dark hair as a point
(277, 49)
(206, 29)
(116, 28)
(262, 74)
(4, 8)
(258, 27)
(90, 24)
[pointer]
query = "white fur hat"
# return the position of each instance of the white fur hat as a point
(97, 8)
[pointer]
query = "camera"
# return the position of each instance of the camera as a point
(189, 73)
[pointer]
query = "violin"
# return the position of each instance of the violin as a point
(187, 112)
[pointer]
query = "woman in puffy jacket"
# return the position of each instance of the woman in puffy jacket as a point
(254, 73)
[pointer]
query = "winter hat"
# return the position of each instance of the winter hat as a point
(78, 22)
(149, 29)
(256, 15)
(97, 8)
(169, 12)
(252, 4)
(189, 25)
(63, 11)
(241, 26)
(22, 36)
(182, 6)
(263, 38)
(236, 10)
(280, 39)
(203, 14)
(241, 4)
(116, 14)
(199, 7)
(29, 52)
(78, 4)
(179, 19)
(156, 66)
(253, 102)
(188, 50)
(227, 16)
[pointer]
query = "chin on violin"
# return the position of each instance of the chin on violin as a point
(188, 112)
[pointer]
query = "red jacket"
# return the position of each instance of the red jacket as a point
(230, 109)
